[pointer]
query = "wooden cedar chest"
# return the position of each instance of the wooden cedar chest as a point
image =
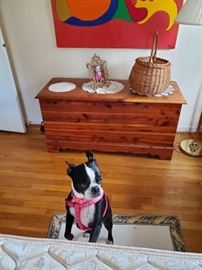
(121, 122)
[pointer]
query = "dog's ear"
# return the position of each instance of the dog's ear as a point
(70, 168)
(90, 156)
(94, 166)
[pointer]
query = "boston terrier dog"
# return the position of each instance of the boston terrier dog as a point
(87, 203)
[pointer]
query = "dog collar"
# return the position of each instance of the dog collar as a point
(78, 204)
(83, 202)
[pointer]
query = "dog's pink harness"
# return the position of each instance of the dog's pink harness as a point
(78, 204)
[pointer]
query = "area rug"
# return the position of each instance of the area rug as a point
(158, 232)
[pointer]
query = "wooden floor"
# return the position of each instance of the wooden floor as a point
(33, 185)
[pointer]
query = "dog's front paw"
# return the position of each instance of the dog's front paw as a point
(69, 236)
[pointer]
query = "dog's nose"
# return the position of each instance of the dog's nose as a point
(95, 190)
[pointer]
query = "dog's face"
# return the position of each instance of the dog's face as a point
(86, 178)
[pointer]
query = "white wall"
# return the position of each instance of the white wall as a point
(28, 26)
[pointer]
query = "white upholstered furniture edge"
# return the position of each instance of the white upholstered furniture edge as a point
(25, 253)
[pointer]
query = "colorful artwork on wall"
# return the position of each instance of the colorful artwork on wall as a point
(115, 23)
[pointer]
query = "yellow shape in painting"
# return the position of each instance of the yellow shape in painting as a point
(88, 10)
(153, 6)
(62, 10)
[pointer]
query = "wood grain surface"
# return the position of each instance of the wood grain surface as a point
(34, 184)
(126, 95)
(121, 122)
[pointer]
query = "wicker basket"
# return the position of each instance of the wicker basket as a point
(150, 75)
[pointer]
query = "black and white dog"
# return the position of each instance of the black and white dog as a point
(87, 202)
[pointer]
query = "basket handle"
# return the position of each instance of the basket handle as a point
(154, 47)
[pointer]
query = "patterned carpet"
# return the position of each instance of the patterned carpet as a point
(160, 232)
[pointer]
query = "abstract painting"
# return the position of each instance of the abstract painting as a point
(115, 23)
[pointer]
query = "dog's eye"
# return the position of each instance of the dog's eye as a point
(83, 185)
(98, 178)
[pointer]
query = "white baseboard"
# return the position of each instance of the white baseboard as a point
(187, 129)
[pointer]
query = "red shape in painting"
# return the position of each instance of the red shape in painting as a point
(119, 33)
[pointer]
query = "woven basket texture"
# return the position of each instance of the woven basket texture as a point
(150, 75)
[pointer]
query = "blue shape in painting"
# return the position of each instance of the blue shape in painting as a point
(107, 16)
